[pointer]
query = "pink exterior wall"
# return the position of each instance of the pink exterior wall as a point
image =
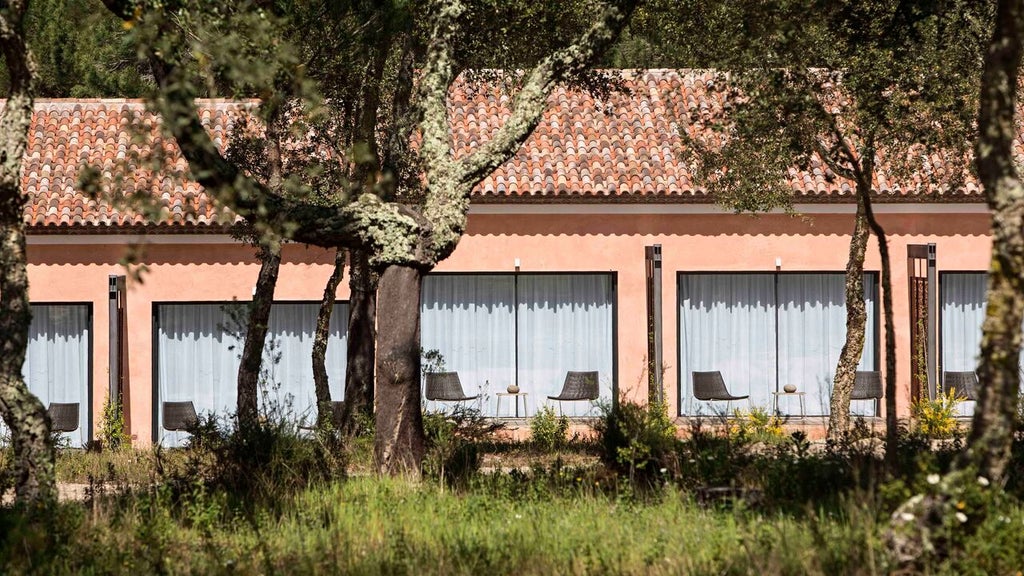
(586, 242)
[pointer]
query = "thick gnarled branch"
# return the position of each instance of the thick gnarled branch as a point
(450, 181)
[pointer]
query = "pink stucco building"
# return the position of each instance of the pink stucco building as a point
(551, 275)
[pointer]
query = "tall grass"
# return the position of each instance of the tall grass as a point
(271, 501)
(374, 526)
(379, 526)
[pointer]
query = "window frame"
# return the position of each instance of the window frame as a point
(613, 275)
(90, 353)
(155, 332)
(875, 319)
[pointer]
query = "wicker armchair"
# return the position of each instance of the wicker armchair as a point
(63, 416)
(178, 416)
(965, 384)
(867, 386)
(445, 387)
(710, 387)
(578, 387)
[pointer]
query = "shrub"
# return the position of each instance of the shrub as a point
(453, 440)
(113, 433)
(756, 425)
(255, 462)
(936, 418)
(548, 431)
(639, 441)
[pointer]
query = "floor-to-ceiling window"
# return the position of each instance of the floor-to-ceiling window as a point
(57, 366)
(524, 329)
(765, 330)
(198, 349)
(963, 296)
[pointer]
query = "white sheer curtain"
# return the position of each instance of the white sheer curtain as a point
(727, 323)
(868, 360)
(812, 331)
(56, 365)
(288, 357)
(199, 348)
(565, 324)
(470, 320)
(963, 299)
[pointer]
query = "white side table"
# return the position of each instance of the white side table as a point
(800, 396)
(515, 399)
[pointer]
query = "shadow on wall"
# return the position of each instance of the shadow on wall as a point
(717, 225)
(77, 254)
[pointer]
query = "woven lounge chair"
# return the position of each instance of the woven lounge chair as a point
(965, 384)
(578, 387)
(178, 416)
(63, 416)
(446, 387)
(710, 387)
(867, 385)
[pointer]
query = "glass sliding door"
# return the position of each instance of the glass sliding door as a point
(288, 357)
(56, 367)
(963, 298)
(765, 330)
(198, 350)
(812, 332)
(526, 329)
(727, 323)
(470, 320)
(565, 324)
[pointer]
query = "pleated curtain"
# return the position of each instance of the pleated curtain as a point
(470, 321)
(763, 331)
(812, 332)
(727, 323)
(56, 365)
(565, 322)
(963, 297)
(199, 348)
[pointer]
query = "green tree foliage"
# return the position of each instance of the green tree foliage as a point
(360, 110)
(82, 51)
(853, 89)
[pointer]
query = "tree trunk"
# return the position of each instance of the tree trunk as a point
(399, 442)
(362, 335)
(856, 319)
(891, 423)
(919, 525)
(256, 335)
(25, 416)
(321, 381)
(991, 438)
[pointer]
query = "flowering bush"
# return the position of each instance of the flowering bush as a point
(757, 425)
(936, 418)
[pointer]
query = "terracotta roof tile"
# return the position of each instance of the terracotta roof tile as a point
(625, 148)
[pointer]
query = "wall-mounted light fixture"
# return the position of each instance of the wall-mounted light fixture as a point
(517, 264)
(778, 262)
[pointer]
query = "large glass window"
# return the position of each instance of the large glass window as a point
(198, 350)
(527, 329)
(964, 296)
(56, 367)
(763, 331)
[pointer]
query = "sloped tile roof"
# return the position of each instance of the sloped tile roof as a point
(66, 136)
(624, 148)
